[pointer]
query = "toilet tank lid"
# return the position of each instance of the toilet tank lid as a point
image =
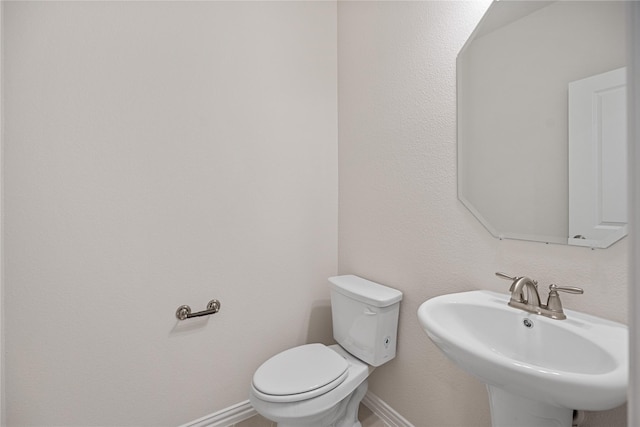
(365, 290)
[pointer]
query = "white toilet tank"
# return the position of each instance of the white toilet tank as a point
(365, 318)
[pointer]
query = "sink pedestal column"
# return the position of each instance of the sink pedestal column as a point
(511, 410)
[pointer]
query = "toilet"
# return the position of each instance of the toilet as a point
(322, 386)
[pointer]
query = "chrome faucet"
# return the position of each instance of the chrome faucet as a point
(531, 303)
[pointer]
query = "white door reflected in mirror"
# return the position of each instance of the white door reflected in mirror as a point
(598, 159)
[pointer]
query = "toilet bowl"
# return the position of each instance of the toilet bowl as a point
(322, 386)
(312, 408)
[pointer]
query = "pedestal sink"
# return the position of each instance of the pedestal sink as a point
(537, 369)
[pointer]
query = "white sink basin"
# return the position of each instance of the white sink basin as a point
(577, 363)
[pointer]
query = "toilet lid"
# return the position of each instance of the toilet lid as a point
(300, 373)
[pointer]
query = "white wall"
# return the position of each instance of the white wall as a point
(400, 222)
(159, 154)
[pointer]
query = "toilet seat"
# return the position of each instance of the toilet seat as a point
(300, 373)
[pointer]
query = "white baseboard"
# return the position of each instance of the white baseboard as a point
(225, 417)
(243, 410)
(386, 413)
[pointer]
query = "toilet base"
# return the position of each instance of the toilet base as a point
(345, 414)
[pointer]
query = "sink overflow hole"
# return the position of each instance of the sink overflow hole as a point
(527, 323)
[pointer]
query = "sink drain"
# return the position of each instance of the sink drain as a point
(527, 323)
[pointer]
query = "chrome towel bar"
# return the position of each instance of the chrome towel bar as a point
(184, 311)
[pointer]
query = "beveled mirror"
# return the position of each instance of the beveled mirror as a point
(541, 122)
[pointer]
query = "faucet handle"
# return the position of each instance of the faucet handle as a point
(505, 276)
(513, 279)
(567, 289)
(554, 305)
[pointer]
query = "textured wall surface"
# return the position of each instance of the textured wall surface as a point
(400, 222)
(159, 154)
